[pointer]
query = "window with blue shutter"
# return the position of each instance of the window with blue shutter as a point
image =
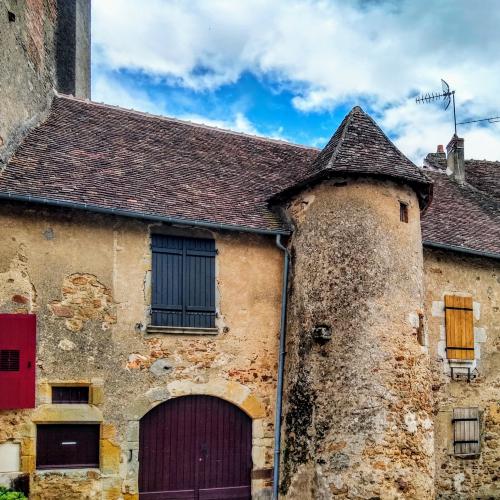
(183, 282)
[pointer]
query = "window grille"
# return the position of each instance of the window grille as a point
(70, 394)
(9, 360)
(466, 436)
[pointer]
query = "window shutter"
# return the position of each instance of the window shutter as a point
(183, 282)
(459, 327)
(17, 360)
(466, 437)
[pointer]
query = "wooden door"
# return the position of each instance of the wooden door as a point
(197, 448)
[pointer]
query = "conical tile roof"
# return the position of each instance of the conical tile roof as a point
(360, 147)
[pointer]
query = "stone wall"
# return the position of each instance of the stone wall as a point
(358, 417)
(45, 45)
(479, 278)
(27, 60)
(87, 277)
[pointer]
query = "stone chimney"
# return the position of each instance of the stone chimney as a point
(456, 162)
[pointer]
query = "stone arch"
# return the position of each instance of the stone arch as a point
(233, 392)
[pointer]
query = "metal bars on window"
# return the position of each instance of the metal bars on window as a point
(466, 436)
(9, 360)
(183, 282)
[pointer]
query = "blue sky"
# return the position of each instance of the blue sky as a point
(292, 69)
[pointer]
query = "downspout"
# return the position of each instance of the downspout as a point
(281, 370)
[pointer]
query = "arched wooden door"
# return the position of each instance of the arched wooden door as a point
(197, 448)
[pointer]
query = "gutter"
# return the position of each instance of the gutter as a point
(139, 215)
(455, 248)
(281, 370)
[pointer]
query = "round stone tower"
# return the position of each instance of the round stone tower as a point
(357, 408)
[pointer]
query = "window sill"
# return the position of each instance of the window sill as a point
(180, 330)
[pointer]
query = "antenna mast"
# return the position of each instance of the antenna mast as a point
(447, 95)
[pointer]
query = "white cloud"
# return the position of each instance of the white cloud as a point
(326, 52)
(110, 90)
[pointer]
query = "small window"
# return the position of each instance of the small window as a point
(67, 446)
(466, 436)
(403, 212)
(183, 282)
(67, 394)
(9, 360)
(459, 327)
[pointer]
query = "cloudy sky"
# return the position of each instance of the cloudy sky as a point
(292, 69)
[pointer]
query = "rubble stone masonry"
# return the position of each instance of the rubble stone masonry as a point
(358, 414)
(460, 478)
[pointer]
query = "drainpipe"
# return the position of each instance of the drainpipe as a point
(281, 369)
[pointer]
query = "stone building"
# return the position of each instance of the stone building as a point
(173, 296)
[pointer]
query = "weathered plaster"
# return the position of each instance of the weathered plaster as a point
(95, 269)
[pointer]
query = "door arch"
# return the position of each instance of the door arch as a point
(196, 448)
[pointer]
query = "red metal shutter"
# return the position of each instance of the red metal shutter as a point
(17, 360)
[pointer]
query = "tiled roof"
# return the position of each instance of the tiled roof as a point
(461, 216)
(112, 158)
(360, 147)
(482, 174)
(99, 156)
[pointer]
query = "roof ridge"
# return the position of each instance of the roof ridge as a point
(391, 144)
(345, 124)
(184, 122)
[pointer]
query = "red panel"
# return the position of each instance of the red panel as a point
(197, 447)
(17, 387)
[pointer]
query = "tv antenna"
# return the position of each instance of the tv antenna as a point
(446, 95)
(491, 119)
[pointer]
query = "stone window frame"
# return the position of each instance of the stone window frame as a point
(459, 366)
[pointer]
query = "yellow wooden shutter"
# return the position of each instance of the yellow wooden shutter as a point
(459, 327)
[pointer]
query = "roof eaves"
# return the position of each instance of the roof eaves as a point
(140, 215)
(424, 189)
(459, 249)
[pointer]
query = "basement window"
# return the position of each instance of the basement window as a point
(11, 16)
(67, 446)
(70, 394)
(466, 436)
(403, 212)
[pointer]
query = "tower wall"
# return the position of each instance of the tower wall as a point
(45, 44)
(357, 415)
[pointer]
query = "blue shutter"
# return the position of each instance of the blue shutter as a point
(183, 282)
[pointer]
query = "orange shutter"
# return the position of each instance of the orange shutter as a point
(459, 327)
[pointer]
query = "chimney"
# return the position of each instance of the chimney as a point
(456, 162)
